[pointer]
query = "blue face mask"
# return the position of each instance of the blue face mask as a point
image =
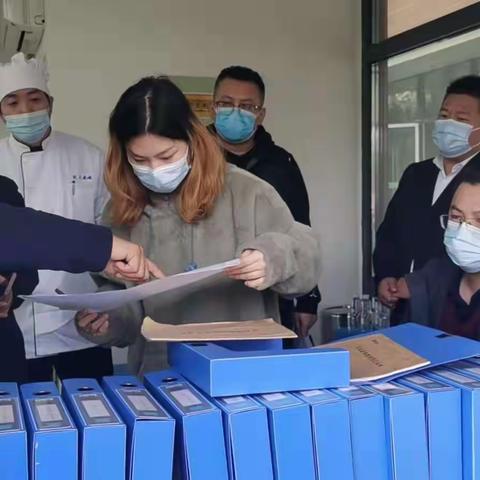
(451, 137)
(163, 179)
(29, 128)
(237, 126)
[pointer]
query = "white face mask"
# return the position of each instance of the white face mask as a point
(463, 246)
(165, 179)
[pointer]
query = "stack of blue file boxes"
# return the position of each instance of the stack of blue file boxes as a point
(250, 411)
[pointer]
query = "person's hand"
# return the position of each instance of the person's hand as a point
(252, 269)
(388, 292)
(92, 323)
(6, 299)
(128, 262)
(303, 323)
(403, 291)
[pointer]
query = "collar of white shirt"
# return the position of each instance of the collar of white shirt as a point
(21, 147)
(438, 162)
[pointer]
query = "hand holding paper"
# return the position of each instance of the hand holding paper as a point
(105, 301)
(252, 269)
(92, 323)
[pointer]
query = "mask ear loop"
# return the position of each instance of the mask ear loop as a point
(470, 134)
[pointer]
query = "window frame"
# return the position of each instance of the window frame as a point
(373, 54)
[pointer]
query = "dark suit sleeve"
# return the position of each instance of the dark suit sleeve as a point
(26, 280)
(386, 262)
(30, 239)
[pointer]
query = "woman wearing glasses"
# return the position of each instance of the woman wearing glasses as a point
(173, 193)
(445, 294)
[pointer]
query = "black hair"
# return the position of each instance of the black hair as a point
(469, 85)
(471, 176)
(153, 105)
(242, 74)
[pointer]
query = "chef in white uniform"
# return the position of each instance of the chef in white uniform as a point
(60, 174)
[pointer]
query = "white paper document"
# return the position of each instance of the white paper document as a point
(105, 301)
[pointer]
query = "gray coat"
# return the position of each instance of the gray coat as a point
(248, 215)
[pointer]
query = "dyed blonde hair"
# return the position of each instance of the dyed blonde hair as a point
(156, 106)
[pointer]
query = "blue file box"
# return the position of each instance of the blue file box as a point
(13, 436)
(331, 434)
(470, 388)
(247, 440)
(290, 436)
(367, 432)
(52, 436)
(150, 430)
(98, 425)
(406, 434)
(433, 345)
(221, 372)
(443, 405)
(199, 440)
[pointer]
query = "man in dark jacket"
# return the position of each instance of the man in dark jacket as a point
(239, 112)
(32, 240)
(13, 366)
(411, 234)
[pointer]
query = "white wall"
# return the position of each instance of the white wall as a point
(308, 52)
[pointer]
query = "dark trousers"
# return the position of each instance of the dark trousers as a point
(93, 362)
(13, 366)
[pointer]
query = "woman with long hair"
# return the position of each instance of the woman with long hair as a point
(173, 193)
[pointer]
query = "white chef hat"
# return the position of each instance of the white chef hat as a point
(21, 73)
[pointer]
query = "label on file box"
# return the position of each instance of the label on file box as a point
(233, 400)
(9, 419)
(316, 397)
(95, 409)
(474, 370)
(142, 403)
(49, 413)
(185, 398)
(274, 397)
(276, 400)
(391, 389)
(459, 378)
(238, 403)
(426, 383)
(311, 393)
(353, 392)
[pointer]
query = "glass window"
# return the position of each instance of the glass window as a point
(404, 15)
(412, 89)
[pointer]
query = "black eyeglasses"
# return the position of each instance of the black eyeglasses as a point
(229, 107)
(455, 221)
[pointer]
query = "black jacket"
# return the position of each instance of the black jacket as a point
(411, 230)
(277, 167)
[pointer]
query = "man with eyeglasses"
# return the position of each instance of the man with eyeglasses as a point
(445, 293)
(410, 234)
(239, 111)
